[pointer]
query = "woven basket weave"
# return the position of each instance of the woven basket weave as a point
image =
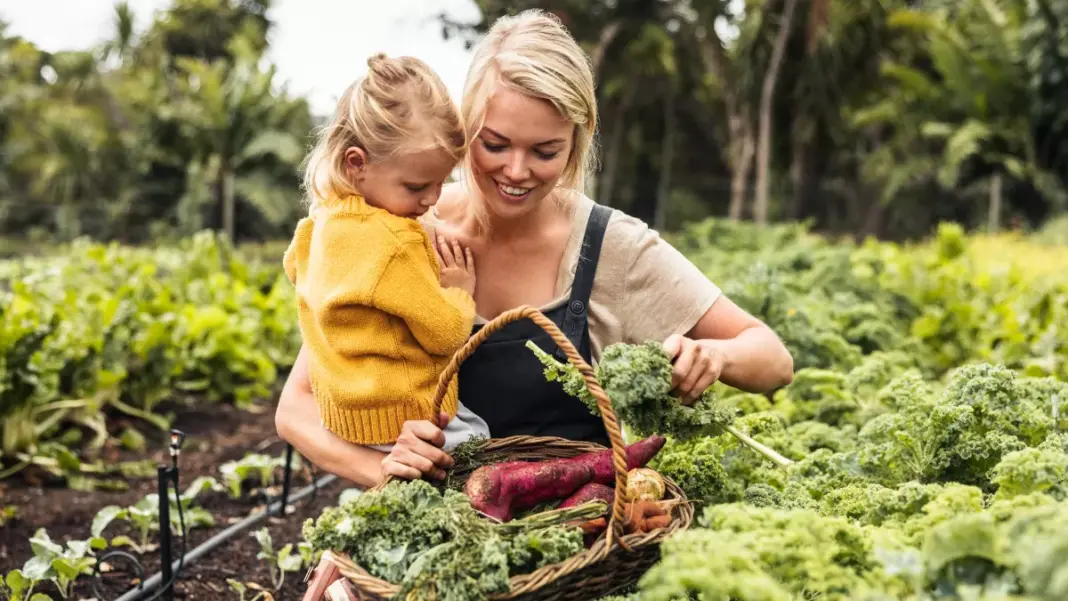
(615, 561)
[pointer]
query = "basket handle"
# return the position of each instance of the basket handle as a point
(611, 422)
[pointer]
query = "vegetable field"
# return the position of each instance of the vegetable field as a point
(921, 452)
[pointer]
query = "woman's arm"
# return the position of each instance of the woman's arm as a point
(298, 423)
(730, 345)
(297, 420)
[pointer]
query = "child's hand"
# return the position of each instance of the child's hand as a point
(457, 266)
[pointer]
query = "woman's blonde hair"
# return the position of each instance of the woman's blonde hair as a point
(401, 106)
(533, 53)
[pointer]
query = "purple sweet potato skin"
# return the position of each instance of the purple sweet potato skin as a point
(638, 455)
(591, 491)
(500, 489)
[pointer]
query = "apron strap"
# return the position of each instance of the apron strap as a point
(574, 325)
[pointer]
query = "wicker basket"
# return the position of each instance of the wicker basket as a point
(615, 561)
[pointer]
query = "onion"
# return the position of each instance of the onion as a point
(644, 484)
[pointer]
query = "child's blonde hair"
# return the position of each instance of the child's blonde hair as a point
(401, 106)
(533, 53)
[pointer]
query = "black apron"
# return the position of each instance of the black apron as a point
(504, 383)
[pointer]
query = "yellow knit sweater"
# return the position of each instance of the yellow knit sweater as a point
(377, 326)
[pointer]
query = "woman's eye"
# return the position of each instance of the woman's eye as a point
(492, 147)
(546, 155)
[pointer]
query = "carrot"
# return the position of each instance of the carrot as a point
(591, 491)
(500, 489)
(594, 526)
(645, 516)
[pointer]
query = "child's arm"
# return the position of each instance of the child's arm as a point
(440, 318)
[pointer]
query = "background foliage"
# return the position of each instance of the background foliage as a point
(868, 117)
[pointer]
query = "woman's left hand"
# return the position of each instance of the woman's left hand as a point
(697, 365)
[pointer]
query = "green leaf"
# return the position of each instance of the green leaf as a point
(68, 461)
(916, 20)
(287, 560)
(42, 544)
(123, 541)
(133, 440)
(933, 129)
(910, 79)
(38, 568)
(66, 568)
(18, 582)
(236, 586)
(883, 112)
(263, 537)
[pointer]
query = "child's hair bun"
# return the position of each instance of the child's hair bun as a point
(386, 69)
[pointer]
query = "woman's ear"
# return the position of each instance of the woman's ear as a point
(355, 162)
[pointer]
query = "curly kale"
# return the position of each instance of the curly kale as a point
(696, 466)
(817, 394)
(385, 531)
(756, 554)
(762, 495)
(984, 413)
(1032, 470)
(435, 545)
(637, 379)
(803, 438)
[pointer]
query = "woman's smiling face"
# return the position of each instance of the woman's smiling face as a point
(521, 152)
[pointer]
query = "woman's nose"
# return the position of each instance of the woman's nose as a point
(516, 168)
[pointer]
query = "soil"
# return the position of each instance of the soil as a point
(215, 434)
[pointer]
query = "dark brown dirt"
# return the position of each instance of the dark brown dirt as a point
(216, 434)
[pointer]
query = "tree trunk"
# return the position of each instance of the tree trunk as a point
(608, 34)
(760, 207)
(818, 17)
(994, 218)
(873, 224)
(803, 167)
(742, 147)
(607, 181)
(667, 154)
(226, 187)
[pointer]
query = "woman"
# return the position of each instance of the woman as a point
(602, 276)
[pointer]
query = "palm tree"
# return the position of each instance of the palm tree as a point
(974, 106)
(237, 126)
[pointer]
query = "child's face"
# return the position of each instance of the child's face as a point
(407, 185)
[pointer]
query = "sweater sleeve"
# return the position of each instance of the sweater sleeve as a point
(439, 318)
(297, 247)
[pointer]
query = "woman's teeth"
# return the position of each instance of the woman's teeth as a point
(512, 190)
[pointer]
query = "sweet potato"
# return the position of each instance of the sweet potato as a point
(500, 489)
(591, 491)
(638, 454)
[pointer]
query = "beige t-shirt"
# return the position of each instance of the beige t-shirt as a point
(644, 289)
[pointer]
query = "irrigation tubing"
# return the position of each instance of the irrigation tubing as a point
(146, 587)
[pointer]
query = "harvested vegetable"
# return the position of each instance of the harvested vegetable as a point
(645, 516)
(637, 379)
(429, 543)
(500, 489)
(644, 484)
(594, 491)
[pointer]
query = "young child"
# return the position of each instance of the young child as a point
(377, 326)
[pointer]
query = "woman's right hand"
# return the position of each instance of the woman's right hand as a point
(418, 451)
